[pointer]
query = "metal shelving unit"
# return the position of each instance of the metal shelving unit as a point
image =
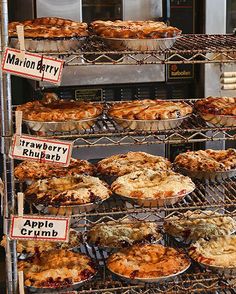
(218, 196)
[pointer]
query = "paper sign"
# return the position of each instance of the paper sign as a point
(42, 150)
(32, 66)
(40, 228)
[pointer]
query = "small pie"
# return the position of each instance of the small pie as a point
(123, 233)
(219, 251)
(49, 28)
(207, 160)
(194, 225)
(56, 269)
(31, 247)
(149, 184)
(150, 110)
(32, 170)
(133, 29)
(148, 261)
(70, 190)
(217, 106)
(121, 164)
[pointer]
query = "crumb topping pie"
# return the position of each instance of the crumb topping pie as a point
(217, 106)
(70, 190)
(150, 110)
(207, 160)
(134, 29)
(121, 164)
(32, 170)
(149, 184)
(50, 27)
(199, 224)
(56, 269)
(123, 233)
(147, 261)
(219, 251)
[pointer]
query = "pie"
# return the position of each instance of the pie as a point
(217, 106)
(70, 190)
(121, 164)
(150, 184)
(133, 29)
(56, 269)
(31, 247)
(32, 170)
(49, 27)
(193, 225)
(148, 261)
(123, 233)
(56, 110)
(219, 251)
(207, 160)
(149, 110)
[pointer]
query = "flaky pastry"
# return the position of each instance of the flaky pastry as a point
(217, 106)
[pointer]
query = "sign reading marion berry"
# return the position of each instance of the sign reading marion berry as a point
(32, 66)
(42, 150)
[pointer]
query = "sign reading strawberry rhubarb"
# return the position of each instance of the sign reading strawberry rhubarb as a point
(34, 148)
(32, 66)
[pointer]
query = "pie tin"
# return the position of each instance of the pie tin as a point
(140, 44)
(150, 125)
(218, 269)
(219, 120)
(62, 126)
(49, 45)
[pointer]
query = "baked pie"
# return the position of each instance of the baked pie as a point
(35, 247)
(121, 164)
(150, 110)
(133, 29)
(56, 269)
(49, 27)
(194, 225)
(148, 184)
(218, 252)
(207, 160)
(66, 191)
(123, 233)
(149, 261)
(32, 170)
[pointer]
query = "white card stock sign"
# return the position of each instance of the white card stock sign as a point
(42, 150)
(40, 228)
(32, 66)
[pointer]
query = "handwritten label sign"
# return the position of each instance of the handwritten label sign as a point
(33, 66)
(33, 148)
(40, 228)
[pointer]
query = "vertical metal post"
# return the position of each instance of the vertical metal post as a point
(8, 164)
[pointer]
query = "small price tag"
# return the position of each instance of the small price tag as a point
(33, 66)
(30, 227)
(33, 148)
(21, 282)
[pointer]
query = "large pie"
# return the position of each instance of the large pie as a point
(149, 261)
(217, 106)
(121, 164)
(133, 29)
(56, 269)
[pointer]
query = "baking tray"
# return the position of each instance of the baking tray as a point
(150, 125)
(63, 126)
(49, 45)
(140, 44)
(219, 120)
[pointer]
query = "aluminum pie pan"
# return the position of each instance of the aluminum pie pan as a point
(219, 120)
(140, 44)
(49, 45)
(62, 126)
(150, 125)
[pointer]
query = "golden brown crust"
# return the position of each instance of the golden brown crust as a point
(56, 268)
(134, 29)
(217, 106)
(150, 110)
(147, 261)
(32, 170)
(207, 160)
(50, 27)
